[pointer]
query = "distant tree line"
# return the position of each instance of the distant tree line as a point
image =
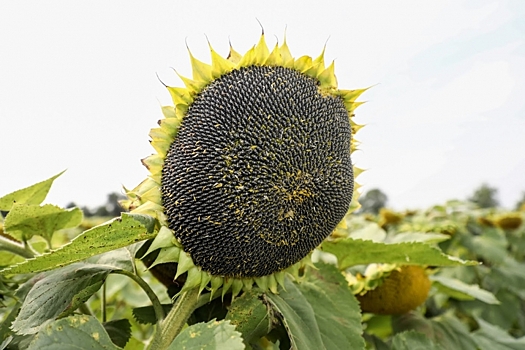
(111, 208)
(484, 196)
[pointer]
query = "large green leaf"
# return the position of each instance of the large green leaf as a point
(320, 312)
(490, 337)
(59, 293)
(74, 332)
(214, 335)
(34, 194)
(462, 291)
(250, 316)
(413, 341)
(336, 309)
(298, 317)
(117, 233)
(26, 220)
(445, 330)
(350, 252)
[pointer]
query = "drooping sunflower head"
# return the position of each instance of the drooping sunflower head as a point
(253, 167)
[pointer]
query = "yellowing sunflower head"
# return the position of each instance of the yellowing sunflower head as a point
(252, 170)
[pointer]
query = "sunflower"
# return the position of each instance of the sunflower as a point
(252, 169)
(387, 289)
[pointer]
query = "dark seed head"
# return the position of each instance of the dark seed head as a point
(259, 173)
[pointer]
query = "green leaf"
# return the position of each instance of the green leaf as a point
(445, 330)
(413, 341)
(57, 294)
(427, 237)
(350, 252)
(250, 316)
(462, 291)
(298, 317)
(34, 194)
(336, 309)
(119, 331)
(320, 312)
(490, 337)
(214, 335)
(26, 220)
(114, 234)
(74, 332)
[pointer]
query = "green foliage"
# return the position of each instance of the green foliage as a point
(89, 293)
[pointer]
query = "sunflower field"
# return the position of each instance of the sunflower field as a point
(448, 277)
(246, 235)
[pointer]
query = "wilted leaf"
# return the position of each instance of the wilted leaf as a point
(462, 291)
(413, 341)
(112, 235)
(26, 220)
(34, 194)
(214, 335)
(350, 252)
(59, 293)
(74, 332)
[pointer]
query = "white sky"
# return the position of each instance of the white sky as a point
(78, 87)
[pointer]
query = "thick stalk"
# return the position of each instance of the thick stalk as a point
(171, 326)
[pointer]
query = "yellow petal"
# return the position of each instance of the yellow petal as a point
(327, 77)
(261, 51)
(219, 64)
(201, 71)
(234, 56)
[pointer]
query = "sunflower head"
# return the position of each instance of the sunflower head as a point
(252, 169)
(509, 221)
(390, 290)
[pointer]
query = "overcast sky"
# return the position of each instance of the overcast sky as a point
(78, 87)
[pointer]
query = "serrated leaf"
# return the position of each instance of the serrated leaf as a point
(298, 317)
(214, 335)
(413, 341)
(350, 252)
(462, 291)
(59, 293)
(336, 309)
(34, 194)
(114, 234)
(250, 316)
(146, 314)
(119, 331)
(26, 220)
(74, 332)
(320, 312)
(490, 337)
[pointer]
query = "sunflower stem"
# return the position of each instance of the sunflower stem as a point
(16, 248)
(157, 306)
(171, 326)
